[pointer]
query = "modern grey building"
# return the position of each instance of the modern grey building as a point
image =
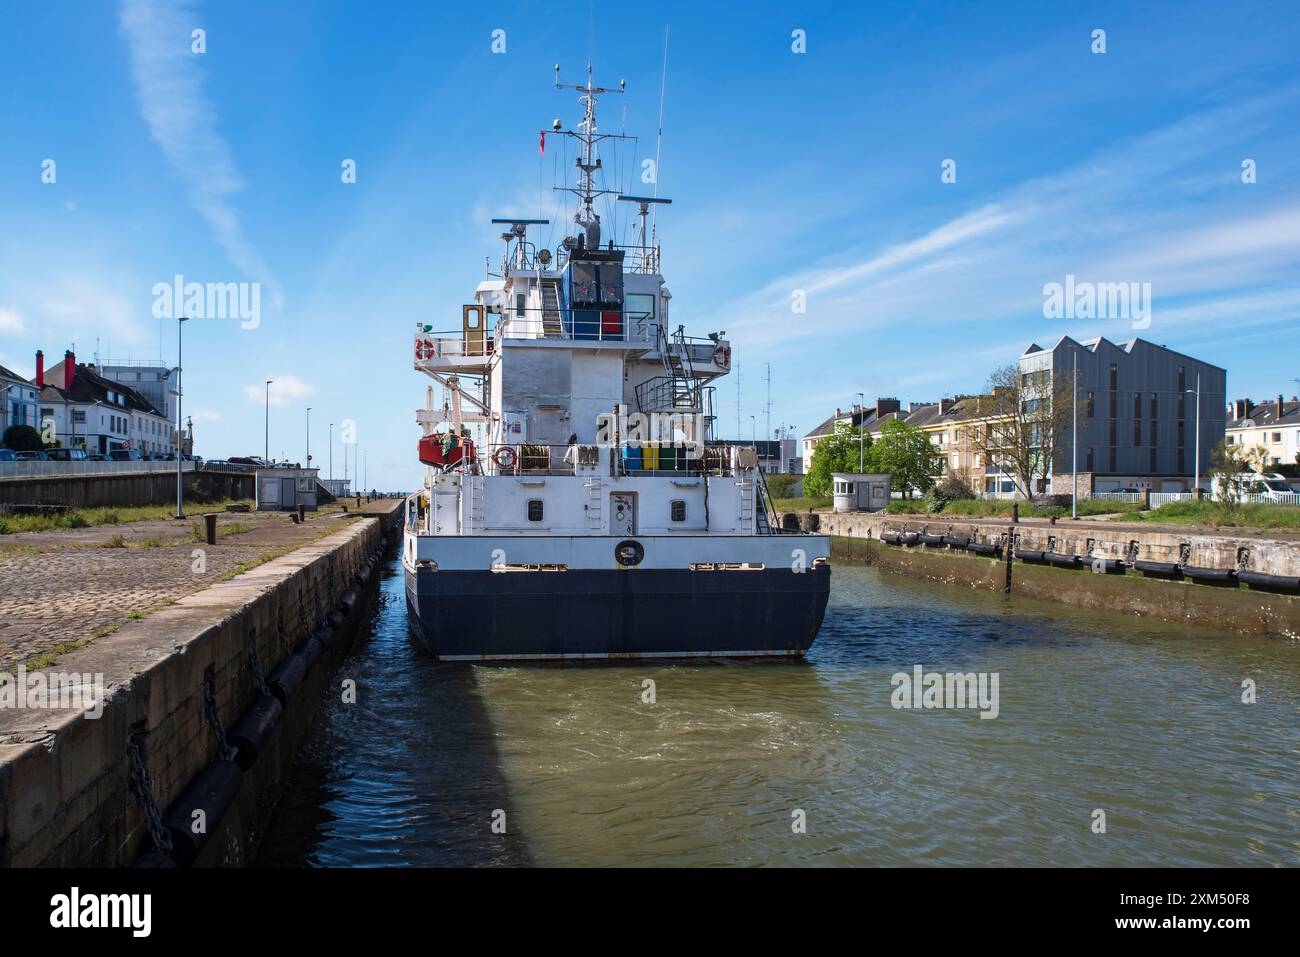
(1137, 413)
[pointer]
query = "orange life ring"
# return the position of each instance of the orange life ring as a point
(722, 356)
(424, 350)
(505, 458)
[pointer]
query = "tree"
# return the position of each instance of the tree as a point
(1231, 469)
(837, 452)
(908, 455)
(1024, 424)
(22, 438)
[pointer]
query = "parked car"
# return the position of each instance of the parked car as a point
(124, 455)
(8, 455)
(32, 457)
(66, 455)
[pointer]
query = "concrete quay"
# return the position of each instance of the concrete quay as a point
(1118, 550)
(242, 662)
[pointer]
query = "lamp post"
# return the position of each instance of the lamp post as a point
(1196, 482)
(266, 450)
(331, 451)
(308, 436)
(180, 443)
(861, 399)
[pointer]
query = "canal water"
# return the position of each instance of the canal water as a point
(1141, 720)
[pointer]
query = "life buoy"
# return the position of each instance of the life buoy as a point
(424, 350)
(504, 457)
(629, 553)
(722, 356)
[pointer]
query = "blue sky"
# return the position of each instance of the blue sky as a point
(817, 172)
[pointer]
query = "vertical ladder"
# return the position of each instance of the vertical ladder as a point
(551, 327)
(595, 491)
(746, 503)
(473, 488)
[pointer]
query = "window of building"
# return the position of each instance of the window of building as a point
(678, 510)
(1137, 405)
(1088, 466)
(521, 301)
(535, 510)
(1155, 407)
(1153, 459)
(1182, 378)
(1091, 396)
(1113, 467)
(1182, 461)
(1137, 431)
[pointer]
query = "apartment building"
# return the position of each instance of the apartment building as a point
(1273, 426)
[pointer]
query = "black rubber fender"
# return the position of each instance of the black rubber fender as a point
(254, 729)
(1167, 569)
(1262, 582)
(933, 541)
(336, 619)
(890, 538)
(348, 601)
(288, 676)
(1061, 560)
(1215, 575)
(956, 541)
(1033, 558)
(985, 548)
(909, 539)
(310, 651)
(212, 792)
(326, 636)
(1105, 566)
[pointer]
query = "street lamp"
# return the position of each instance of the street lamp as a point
(861, 400)
(1196, 482)
(308, 436)
(266, 450)
(331, 451)
(180, 444)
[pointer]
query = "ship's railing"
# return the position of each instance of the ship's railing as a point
(635, 258)
(631, 459)
(578, 324)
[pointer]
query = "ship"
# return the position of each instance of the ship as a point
(575, 504)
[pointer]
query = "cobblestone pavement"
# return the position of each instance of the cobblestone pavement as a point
(69, 585)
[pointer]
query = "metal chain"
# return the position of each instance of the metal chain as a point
(214, 718)
(142, 788)
(256, 667)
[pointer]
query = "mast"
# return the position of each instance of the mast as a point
(588, 136)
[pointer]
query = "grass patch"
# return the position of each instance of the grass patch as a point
(998, 508)
(90, 517)
(115, 542)
(1218, 515)
(801, 504)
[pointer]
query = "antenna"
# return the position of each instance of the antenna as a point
(588, 162)
(645, 202)
(659, 137)
(769, 397)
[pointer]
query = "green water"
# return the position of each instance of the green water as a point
(1140, 719)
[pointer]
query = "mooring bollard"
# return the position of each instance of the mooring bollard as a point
(210, 528)
(358, 501)
(1015, 513)
(302, 512)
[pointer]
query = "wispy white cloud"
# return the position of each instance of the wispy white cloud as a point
(11, 323)
(183, 122)
(284, 389)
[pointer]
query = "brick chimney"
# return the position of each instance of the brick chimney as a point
(886, 406)
(1241, 408)
(40, 369)
(69, 368)
(1279, 405)
(945, 405)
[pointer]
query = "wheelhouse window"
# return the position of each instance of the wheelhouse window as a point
(677, 510)
(535, 510)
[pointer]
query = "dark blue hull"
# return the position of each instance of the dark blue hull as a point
(665, 613)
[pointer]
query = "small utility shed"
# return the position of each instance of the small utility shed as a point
(861, 492)
(284, 489)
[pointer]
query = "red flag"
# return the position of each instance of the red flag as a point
(542, 134)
